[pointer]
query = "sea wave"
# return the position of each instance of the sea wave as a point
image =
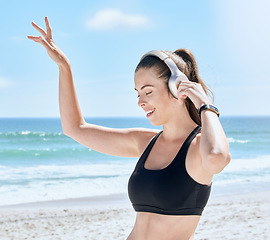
(232, 140)
(247, 164)
(56, 190)
(43, 183)
(29, 133)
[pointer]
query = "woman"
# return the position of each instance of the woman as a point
(169, 188)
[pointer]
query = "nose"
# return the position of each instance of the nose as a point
(141, 102)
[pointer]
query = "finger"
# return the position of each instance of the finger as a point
(43, 33)
(184, 82)
(187, 89)
(183, 93)
(41, 40)
(36, 39)
(182, 79)
(48, 27)
(188, 84)
(183, 86)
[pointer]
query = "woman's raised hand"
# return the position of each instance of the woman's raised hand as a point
(46, 40)
(194, 91)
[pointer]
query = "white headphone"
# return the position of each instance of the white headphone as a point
(176, 75)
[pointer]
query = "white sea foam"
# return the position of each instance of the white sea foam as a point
(60, 171)
(33, 133)
(245, 171)
(55, 190)
(25, 132)
(232, 140)
(42, 183)
(261, 162)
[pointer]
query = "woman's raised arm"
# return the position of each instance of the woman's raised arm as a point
(70, 112)
(118, 142)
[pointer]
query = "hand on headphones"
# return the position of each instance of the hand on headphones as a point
(194, 91)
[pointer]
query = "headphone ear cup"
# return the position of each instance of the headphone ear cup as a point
(174, 82)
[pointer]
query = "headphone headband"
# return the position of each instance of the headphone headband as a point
(176, 74)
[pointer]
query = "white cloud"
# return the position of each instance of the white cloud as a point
(112, 19)
(4, 83)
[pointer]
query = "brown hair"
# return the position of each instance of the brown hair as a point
(186, 63)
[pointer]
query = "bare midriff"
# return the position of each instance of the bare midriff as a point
(151, 226)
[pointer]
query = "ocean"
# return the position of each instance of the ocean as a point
(39, 163)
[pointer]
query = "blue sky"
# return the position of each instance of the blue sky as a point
(104, 41)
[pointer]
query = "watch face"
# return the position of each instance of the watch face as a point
(214, 107)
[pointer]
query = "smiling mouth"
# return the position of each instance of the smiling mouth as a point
(150, 112)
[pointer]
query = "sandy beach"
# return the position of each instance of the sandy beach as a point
(244, 216)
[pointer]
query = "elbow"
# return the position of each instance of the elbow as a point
(72, 129)
(66, 131)
(69, 131)
(216, 162)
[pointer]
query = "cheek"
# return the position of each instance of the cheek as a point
(171, 104)
(164, 102)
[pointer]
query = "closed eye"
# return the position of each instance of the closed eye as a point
(145, 94)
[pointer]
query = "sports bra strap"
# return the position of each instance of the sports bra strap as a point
(153, 140)
(148, 148)
(184, 147)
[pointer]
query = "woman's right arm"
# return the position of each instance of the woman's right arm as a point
(117, 142)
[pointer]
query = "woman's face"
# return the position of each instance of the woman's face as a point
(153, 96)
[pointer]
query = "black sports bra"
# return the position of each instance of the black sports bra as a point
(169, 191)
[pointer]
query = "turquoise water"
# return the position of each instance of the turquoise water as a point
(38, 162)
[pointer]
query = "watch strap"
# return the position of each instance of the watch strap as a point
(208, 107)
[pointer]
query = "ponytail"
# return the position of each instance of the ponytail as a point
(192, 73)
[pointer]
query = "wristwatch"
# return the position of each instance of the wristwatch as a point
(208, 107)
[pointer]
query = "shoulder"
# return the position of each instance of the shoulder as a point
(142, 137)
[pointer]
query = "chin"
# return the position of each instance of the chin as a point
(155, 123)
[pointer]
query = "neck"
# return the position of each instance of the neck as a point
(178, 126)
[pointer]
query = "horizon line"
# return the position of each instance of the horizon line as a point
(58, 117)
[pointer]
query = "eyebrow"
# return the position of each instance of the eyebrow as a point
(144, 86)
